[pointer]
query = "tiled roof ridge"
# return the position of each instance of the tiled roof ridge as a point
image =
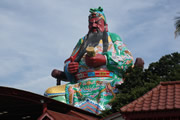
(166, 95)
(170, 82)
(141, 98)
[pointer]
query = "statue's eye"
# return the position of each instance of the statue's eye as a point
(90, 22)
(98, 21)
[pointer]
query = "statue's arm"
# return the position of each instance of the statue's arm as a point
(120, 60)
(70, 76)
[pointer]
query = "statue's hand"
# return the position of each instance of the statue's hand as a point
(95, 61)
(73, 67)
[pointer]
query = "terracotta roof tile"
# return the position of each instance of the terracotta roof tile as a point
(139, 104)
(177, 96)
(177, 85)
(147, 102)
(161, 107)
(165, 96)
(170, 87)
(163, 87)
(145, 108)
(138, 109)
(177, 90)
(177, 106)
(162, 103)
(162, 98)
(177, 93)
(129, 109)
(153, 107)
(169, 106)
(146, 105)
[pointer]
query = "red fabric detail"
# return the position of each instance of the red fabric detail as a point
(99, 73)
(67, 60)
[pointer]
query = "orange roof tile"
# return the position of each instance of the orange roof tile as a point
(166, 96)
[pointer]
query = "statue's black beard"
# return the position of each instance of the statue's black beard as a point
(92, 40)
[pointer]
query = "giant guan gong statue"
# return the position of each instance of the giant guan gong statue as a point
(94, 68)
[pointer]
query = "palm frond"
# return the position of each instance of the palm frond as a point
(177, 25)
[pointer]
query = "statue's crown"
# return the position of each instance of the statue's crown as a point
(98, 12)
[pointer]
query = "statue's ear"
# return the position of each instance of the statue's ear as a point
(106, 27)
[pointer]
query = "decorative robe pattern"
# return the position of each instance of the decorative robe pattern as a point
(93, 88)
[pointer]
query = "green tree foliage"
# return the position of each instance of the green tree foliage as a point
(139, 81)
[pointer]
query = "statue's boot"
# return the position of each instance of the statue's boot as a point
(56, 93)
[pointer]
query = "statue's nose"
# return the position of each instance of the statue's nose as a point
(94, 25)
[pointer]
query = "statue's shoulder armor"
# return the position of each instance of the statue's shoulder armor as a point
(81, 40)
(114, 37)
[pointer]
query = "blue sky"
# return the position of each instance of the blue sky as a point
(36, 36)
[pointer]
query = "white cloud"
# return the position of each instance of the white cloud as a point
(38, 85)
(37, 36)
(10, 65)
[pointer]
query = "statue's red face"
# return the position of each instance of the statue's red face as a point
(96, 23)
